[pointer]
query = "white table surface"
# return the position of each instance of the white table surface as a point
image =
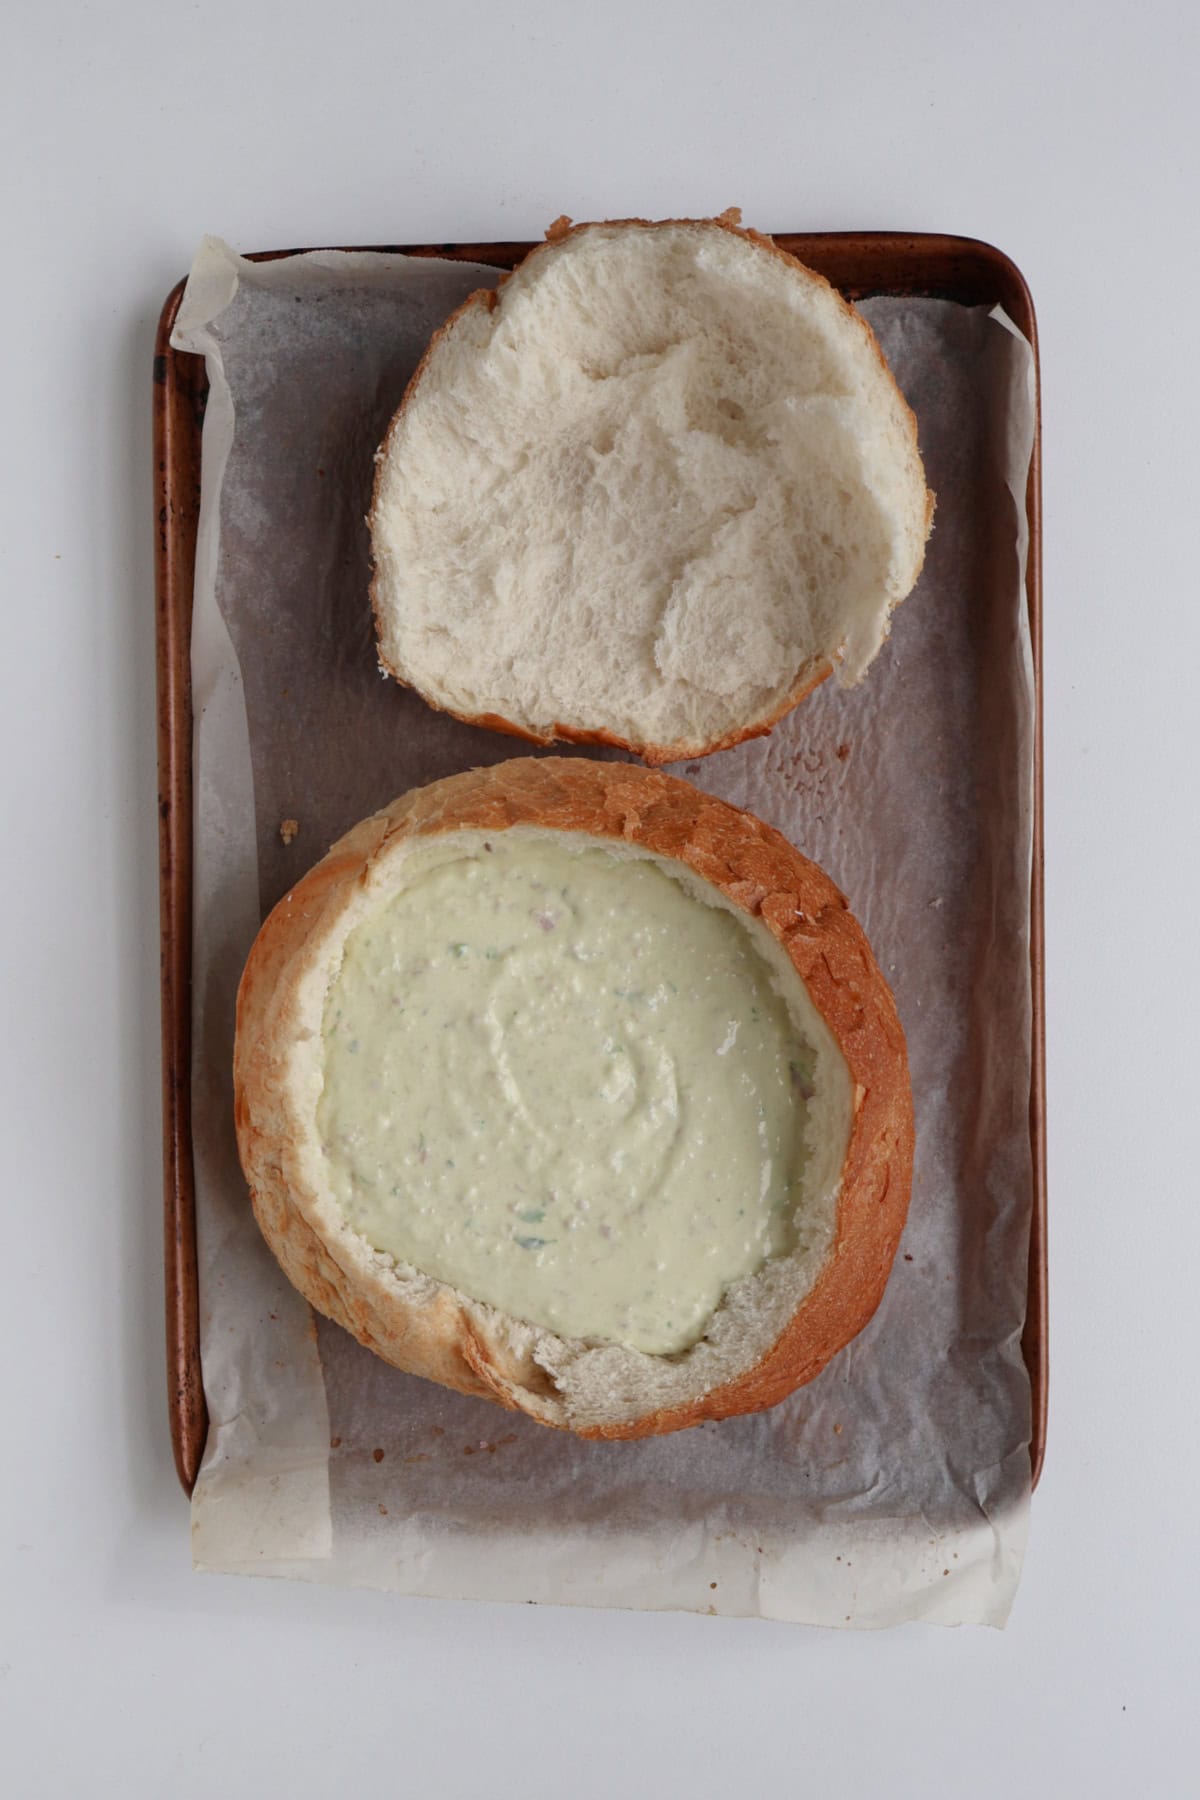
(1065, 135)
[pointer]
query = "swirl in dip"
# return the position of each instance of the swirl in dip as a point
(558, 1079)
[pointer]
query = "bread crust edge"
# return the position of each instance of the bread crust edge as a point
(443, 1335)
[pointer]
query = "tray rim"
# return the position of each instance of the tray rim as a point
(964, 269)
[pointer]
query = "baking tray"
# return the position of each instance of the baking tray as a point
(860, 264)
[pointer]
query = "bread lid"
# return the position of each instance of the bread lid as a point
(772, 1327)
(649, 492)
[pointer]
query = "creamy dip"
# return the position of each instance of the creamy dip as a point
(560, 1081)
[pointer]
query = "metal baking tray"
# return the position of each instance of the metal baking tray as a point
(860, 264)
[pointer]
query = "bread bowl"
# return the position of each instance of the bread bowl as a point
(649, 492)
(581, 893)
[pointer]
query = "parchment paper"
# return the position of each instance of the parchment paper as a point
(894, 1487)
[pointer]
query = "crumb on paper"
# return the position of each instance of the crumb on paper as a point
(288, 829)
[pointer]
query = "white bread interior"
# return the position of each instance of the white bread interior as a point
(651, 494)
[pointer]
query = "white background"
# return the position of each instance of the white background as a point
(1067, 135)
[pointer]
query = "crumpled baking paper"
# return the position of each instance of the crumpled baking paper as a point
(894, 1487)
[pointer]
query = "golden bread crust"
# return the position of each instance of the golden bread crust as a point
(428, 1328)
